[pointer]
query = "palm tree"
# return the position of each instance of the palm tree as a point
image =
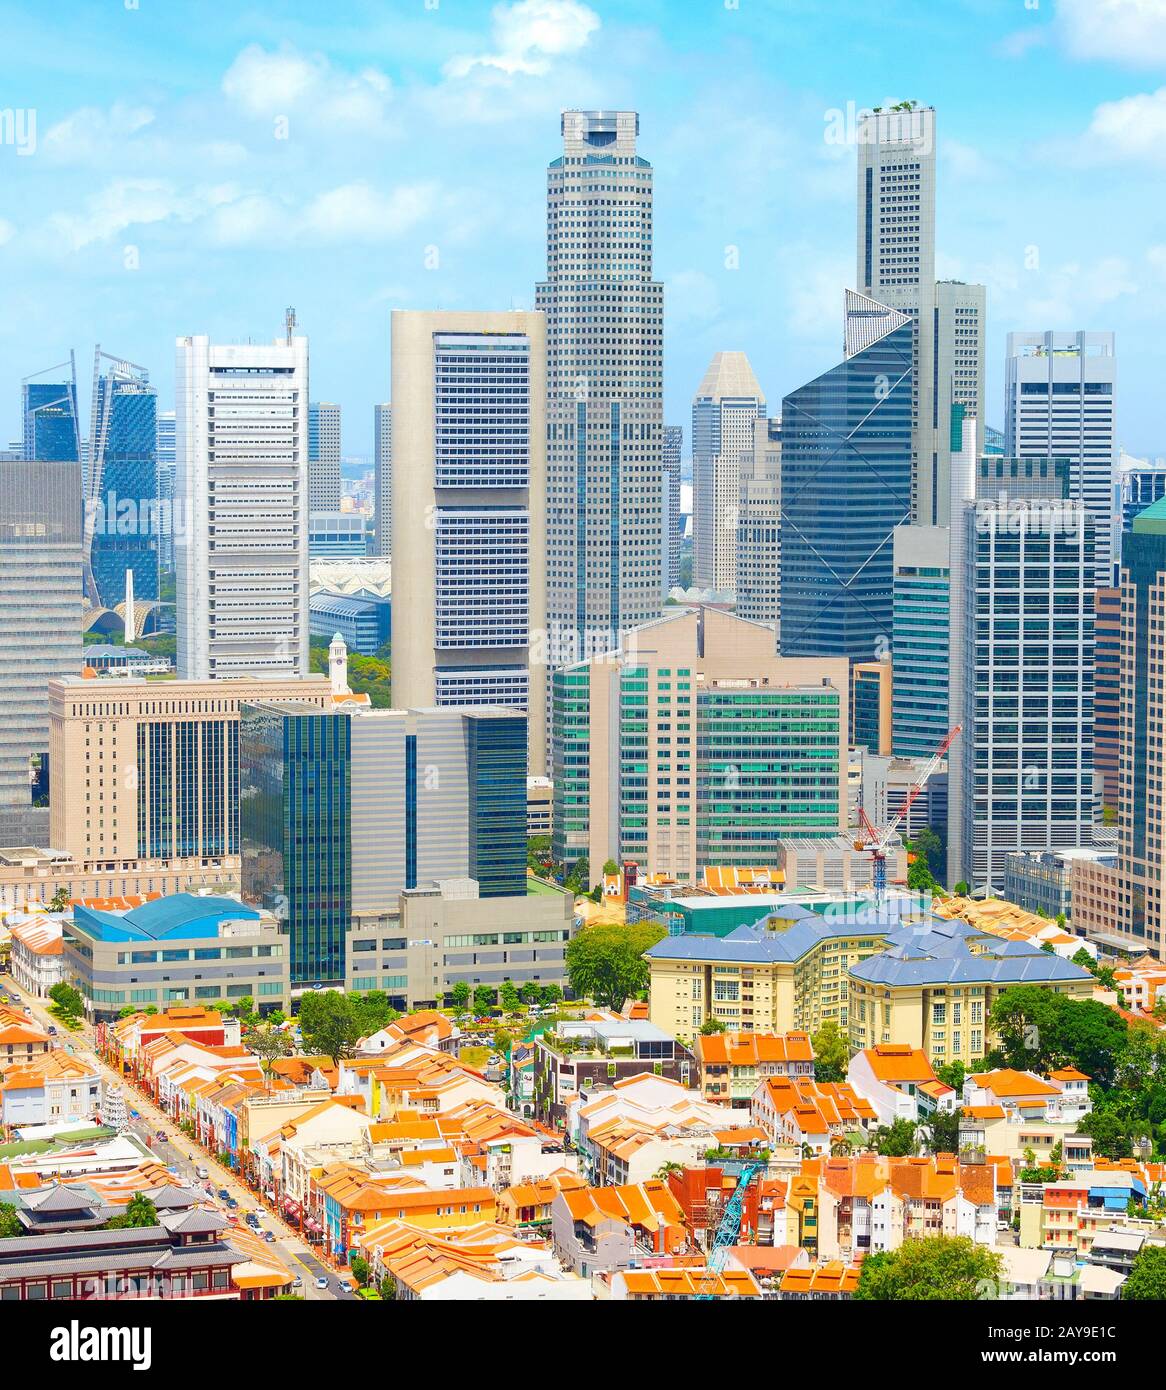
(665, 1170)
(840, 1148)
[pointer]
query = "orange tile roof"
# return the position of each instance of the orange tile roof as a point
(752, 1049)
(898, 1064)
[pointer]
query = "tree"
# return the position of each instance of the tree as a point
(551, 994)
(60, 900)
(665, 1170)
(388, 1287)
(896, 1140)
(952, 1074)
(1146, 1281)
(578, 876)
(531, 992)
(1041, 1030)
(9, 1223)
(459, 996)
(606, 961)
(68, 1000)
(1085, 960)
(484, 998)
(373, 1012)
(328, 1023)
(1110, 1134)
(943, 1131)
(508, 997)
(929, 844)
(140, 1211)
(831, 1052)
(268, 1043)
(920, 879)
(934, 1267)
(962, 889)
(359, 1266)
(503, 1041)
(710, 1026)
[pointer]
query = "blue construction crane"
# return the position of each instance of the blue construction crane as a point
(729, 1228)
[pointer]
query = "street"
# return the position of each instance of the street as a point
(180, 1153)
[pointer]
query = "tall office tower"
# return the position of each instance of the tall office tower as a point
(726, 407)
(673, 522)
(383, 464)
(323, 456)
(959, 372)
(242, 558)
(896, 262)
(870, 706)
(694, 745)
(993, 441)
(1137, 483)
(40, 609)
(1060, 403)
(1022, 584)
(165, 449)
(1107, 692)
(605, 386)
(758, 585)
(52, 429)
(469, 497)
(344, 811)
(122, 510)
(919, 645)
(845, 486)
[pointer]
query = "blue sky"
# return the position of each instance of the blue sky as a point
(199, 167)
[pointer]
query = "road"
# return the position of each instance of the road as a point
(181, 1153)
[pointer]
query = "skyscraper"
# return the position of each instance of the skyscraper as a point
(896, 260)
(49, 411)
(383, 464)
(921, 658)
(469, 488)
(845, 486)
(758, 584)
(673, 535)
(1022, 634)
(40, 609)
(1060, 402)
(323, 456)
(122, 512)
(165, 449)
(727, 404)
(958, 328)
(242, 557)
(605, 371)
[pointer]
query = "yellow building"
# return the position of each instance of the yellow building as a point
(934, 989)
(789, 974)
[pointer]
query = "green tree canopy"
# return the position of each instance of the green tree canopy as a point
(140, 1211)
(831, 1052)
(373, 1012)
(1146, 1282)
(9, 1222)
(1041, 1030)
(269, 1042)
(934, 1267)
(896, 1140)
(605, 961)
(328, 1023)
(710, 1026)
(485, 997)
(459, 995)
(67, 999)
(943, 1131)
(508, 997)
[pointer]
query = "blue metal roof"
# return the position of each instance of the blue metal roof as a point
(183, 916)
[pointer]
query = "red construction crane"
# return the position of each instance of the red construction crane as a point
(877, 840)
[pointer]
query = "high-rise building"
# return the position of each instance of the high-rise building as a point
(605, 377)
(1137, 483)
(1022, 651)
(469, 489)
(242, 555)
(40, 609)
(343, 811)
(758, 584)
(1107, 692)
(123, 513)
(870, 706)
(845, 486)
(695, 744)
(52, 430)
(725, 409)
(1060, 391)
(323, 456)
(164, 447)
(896, 262)
(383, 465)
(919, 646)
(958, 328)
(673, 521)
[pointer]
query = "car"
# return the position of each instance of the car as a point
(232, 1219)
(321, 1283)
(224, 1195)
(252, 1220)
(234, 1206)
(52, 1031)
(269, 1236)
(297, 1282)
(162, 1136)
(200, 1173)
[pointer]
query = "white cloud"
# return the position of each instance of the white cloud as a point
(282, 81)
(7, 231)
(359, 212)
(90, 132)
(128, 203)
(528, 35)
(1130, 128)
(965, 162)
(691, 297)
(1124, 31)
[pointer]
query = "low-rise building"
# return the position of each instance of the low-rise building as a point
(731, 1064)
(597, 1230)
(899, 1082)
(37, 962)
(57, 1088)
(810, 1114)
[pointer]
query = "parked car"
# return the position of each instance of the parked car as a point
(52, 1031)
(200, 1172)
(224, 1195)
(321, 1283)
(269, 1236)
(297, 1282)
(234, 1205)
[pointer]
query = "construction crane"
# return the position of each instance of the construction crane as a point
(877, 840)
(728, 1229)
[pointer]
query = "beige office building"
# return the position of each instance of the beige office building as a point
(144, 774)
(469, 513)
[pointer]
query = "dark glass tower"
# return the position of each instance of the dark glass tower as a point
(124, 512)
(49, 410)
(845, 486)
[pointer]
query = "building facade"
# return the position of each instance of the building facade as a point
(919, 642)
(696, 745)
(673, 519)
(52, 430)
(758, 583)
(870, 706)
(242, 557)
(323, 456)
(469, 486)
(383, 474)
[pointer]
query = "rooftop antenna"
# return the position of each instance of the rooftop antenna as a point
(289, 319)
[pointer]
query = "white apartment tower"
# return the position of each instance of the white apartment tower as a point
(1060, 394)
(383, 466)
(324, 485)
(605, 374)
(758, 583)
(469, 496)
(896, 260)
(242, 478)
(727, 405)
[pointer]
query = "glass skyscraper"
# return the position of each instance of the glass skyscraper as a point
(49, 410)
(845, 486)
(919, 692)
(124, 518)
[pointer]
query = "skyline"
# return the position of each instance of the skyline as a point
(167, 141)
